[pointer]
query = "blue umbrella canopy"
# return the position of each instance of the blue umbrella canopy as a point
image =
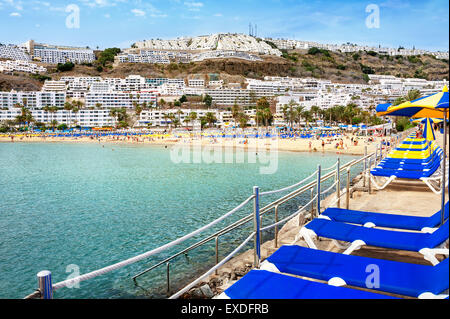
(433, 106)
(428, 132)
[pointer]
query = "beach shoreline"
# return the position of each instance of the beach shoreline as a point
(269, 144)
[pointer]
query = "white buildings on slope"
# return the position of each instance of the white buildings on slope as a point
(21, 66)
(113, 99)
(219, 42)
(289, 44)
(32, 100)
(13, 52)
(83, 118)
(53, 54)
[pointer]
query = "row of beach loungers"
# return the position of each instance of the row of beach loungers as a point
(324, 274)
(414, 159)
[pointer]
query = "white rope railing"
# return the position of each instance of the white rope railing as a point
(290, 216)
(160, 249)
(220, 264)
(102, 271)
(330, 168)
(329, 189)
(289, 187)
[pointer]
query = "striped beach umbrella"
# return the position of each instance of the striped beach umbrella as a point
(424, 119)
(431, 106)
(428, 132)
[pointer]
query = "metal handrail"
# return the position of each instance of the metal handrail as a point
(248, 218)
(46, 288)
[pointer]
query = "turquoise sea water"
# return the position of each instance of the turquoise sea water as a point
(92, 206)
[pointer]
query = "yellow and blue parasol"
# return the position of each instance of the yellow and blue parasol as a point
(431, 106)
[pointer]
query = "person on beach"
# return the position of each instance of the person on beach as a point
(323, 146)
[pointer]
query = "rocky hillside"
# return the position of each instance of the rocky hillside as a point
(337, 67)
(18, 82)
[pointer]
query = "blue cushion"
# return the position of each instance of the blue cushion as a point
(261, 284)
(379, 237)
(385, 220)
(395, 277)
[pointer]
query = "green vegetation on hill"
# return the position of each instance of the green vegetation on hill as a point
(107, 56)
(316, 63)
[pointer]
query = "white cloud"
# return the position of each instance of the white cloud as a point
(195, 5)
(218, 15)
(138, 12)
(15, 14)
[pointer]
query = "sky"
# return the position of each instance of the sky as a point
(423, 24)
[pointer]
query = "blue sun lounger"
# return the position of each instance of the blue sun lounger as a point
(391, 169)
(406, 173)
(421, 281)
(369, 219)
(261, 284)
(429, 245)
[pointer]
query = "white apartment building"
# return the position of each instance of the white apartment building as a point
(54, 86)
(113, 99)
(13, 52)
(84, 79)
(196, 83)
(55, 56)
(158, 118)
(84, 118)
(32, 100)
(21, 66)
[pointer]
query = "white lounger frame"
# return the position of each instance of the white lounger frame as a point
(429, 181)
(428, 253)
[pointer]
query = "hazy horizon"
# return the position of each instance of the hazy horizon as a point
(119, 23)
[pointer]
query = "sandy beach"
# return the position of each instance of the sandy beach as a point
(347, 144)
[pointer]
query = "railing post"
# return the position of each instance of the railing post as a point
(256, 223)
(45, 284)
(347, 205)
(368, 174)
(365, 166)
(338, 185)
(276, 227)
(312, 203)
(217, 253)
(168, 278)
(319, 176)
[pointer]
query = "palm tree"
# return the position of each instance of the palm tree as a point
(291, 113)
(68, 107)
(193, 116)
(235, 111)
(413, 95)
(298, 113)
(53, 124)
(210, 118)
(243, 120)
(114, 114)
(179, 113)
(314, 111)
(162, 102)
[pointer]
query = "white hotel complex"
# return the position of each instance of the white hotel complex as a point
(100, 95)
(20, 66)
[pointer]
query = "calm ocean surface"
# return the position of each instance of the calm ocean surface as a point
(85, 205)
